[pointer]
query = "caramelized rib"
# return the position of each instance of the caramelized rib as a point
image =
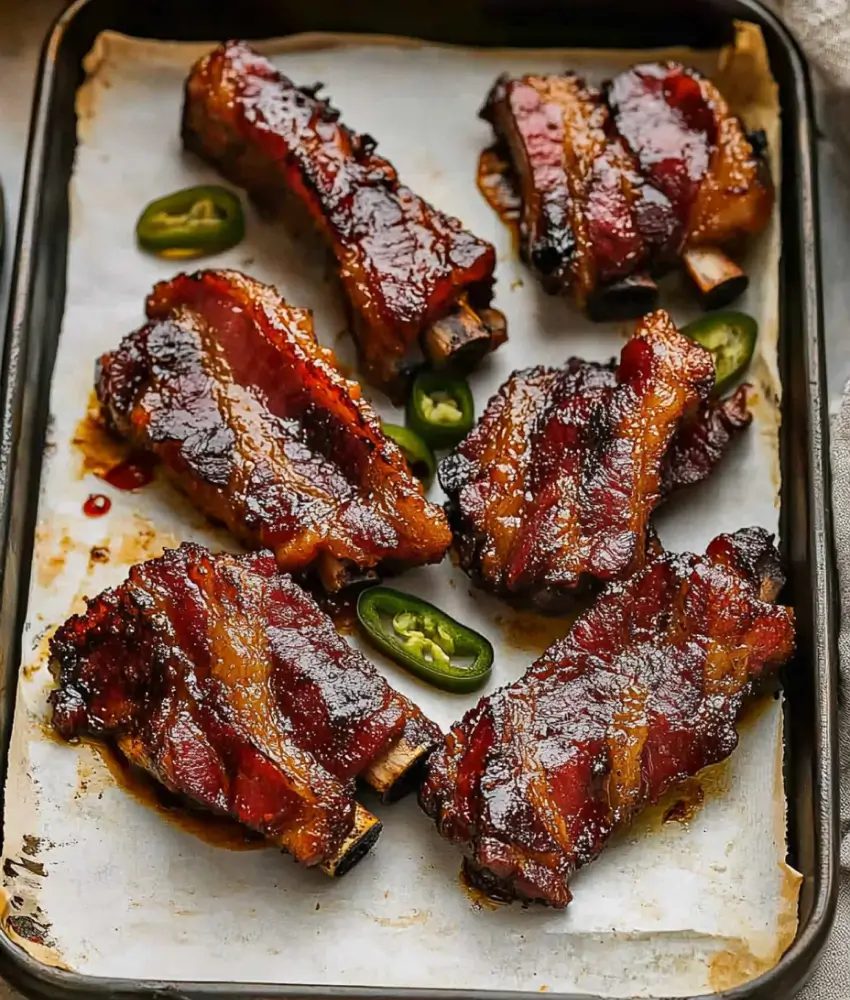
(587, 221)
(224, 680)
(552, 491)
(227, 385)
(615, 187)
(403, 264)
(642, 693)
(694, 150)
(703, 438)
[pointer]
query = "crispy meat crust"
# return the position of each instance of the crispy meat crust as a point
(553, 490)
(227, 385)
(403, 263)
(643, 692)
(694, 150)
(703, 438)
(224, 680)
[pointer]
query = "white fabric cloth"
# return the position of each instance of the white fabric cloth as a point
(823, 29)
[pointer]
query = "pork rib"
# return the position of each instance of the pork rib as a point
(695, 151)
(411, 275)
(224, 680)
(643, 692)
(588, 222)
(552, 491)
(617, 185)
(227, 385)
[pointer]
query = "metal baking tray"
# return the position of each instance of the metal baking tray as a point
(36, 309)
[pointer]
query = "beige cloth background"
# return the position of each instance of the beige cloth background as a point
(823, 29)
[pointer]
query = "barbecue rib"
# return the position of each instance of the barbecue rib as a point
(617, 187)
(588, 222)
(410, 273)
(643, 692)
(703, 438)
(553, 490)
(227, 385)
(694, 150)
(224, 680)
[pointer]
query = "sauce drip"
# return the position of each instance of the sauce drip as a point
(689, 801)
(132, 473)
(96, 505)
(497, 183)
(341, 608)
(535, 633)
(219, 831)
(100, 450)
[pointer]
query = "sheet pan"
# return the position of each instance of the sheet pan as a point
(671, 909)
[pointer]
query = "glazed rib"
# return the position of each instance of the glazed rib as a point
(616, 186)
(227, 385)
(703, 438)
(588, 223)
(224, 680)
(413, 277)
(552, 492)
(695, 151)
(643, 692)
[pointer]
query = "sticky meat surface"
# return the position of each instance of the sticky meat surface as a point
(587, 218)
(703, 437)
(552, 491)
(643, 692)
(224, 680)
(403, 264)
(227, 385)
(694, 150)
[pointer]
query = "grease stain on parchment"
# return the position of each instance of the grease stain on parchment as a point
(532, 632)
(683, 802)
(100, 767)
(98, 555)
(51, 554)
(41, 655)
(142, 542)
(405, 920)
(764, 404)
(12, 868)
(99, 449)
(739, 964)
(33, 846)
(132, 539)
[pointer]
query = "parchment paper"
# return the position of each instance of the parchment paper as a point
(100, 883)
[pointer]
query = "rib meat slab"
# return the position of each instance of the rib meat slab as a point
(694, 150)
(228, 386)
(409, 271)
(643, 692)
(588, 220)
(553, 490)
(615, 186)
(224, 680)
